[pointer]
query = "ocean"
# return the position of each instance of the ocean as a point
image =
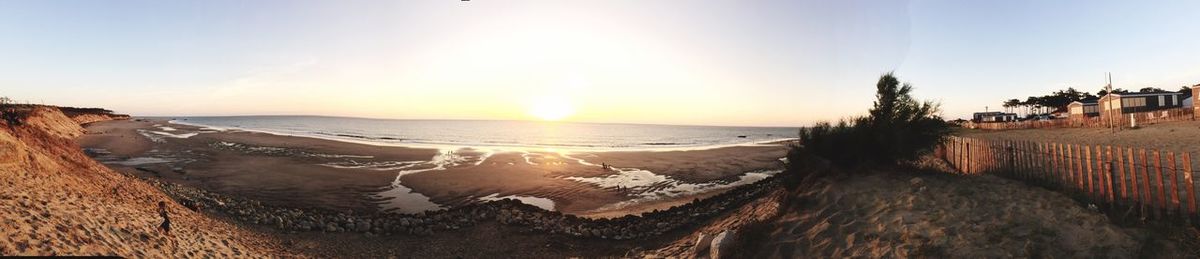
(499, 134)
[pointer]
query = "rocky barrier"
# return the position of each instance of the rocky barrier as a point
(507, 211)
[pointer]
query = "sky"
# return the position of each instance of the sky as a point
(746, 63)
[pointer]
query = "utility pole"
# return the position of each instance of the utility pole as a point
(1108, 103)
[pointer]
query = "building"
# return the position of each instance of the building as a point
(1083, 109)
(1195, 93)
(1120, 104)
(994, 117)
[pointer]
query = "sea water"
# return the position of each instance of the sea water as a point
(495, 133)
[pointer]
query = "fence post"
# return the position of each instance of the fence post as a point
(1079, 168)
(1064, 166)
(1030, 158)
(1015, 160)
(1189, 185)
(1133, 182)
(989, 156)
(1034, 160)
(1029, 147)
(1149, 201)
(1043, 161)
(1108, 174)
(966, 160)
(986, 146)
(1162, 195)
(1091, 175)
(1012, 159)
(1055, 154)
(976, 156)
(1070, 165)
(952, 157)
(1173, 189)
(958, 154)
(994, 148)
(983, 157)
(1120, 165)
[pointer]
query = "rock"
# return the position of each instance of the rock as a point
(917, 182)
(330, 228)
(702, 243)
(362, 226)
(719, 248)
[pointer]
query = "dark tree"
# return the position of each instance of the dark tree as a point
(897, 128)
(1152, 90)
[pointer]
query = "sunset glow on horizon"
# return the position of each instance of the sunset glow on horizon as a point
(551, 108)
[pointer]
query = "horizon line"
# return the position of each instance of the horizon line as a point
(513, 120)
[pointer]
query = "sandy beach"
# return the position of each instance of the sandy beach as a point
(310, 172)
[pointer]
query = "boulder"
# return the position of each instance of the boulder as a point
(719, 247)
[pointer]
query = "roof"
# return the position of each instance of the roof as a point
(1145, 94)
(1084, 102)
(993, 113)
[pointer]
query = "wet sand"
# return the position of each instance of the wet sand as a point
(285, 178)
(697, 167)
(311, 172)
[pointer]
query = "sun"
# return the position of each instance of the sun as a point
(551, 108)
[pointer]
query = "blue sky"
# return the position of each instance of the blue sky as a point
(784, 63)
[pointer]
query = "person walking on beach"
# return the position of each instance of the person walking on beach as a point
(166, 224)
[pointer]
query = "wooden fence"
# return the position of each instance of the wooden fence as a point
(1152, 117)
(1142, 118)
(1155, 184)
(1038, 124)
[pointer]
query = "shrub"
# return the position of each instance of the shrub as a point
(897, 128)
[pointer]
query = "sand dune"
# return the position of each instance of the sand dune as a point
(54, 200)
(950, 216)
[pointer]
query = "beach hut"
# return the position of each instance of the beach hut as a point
(994, 117)
(1192, 102)
(1119, 104)
(1083, 109)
